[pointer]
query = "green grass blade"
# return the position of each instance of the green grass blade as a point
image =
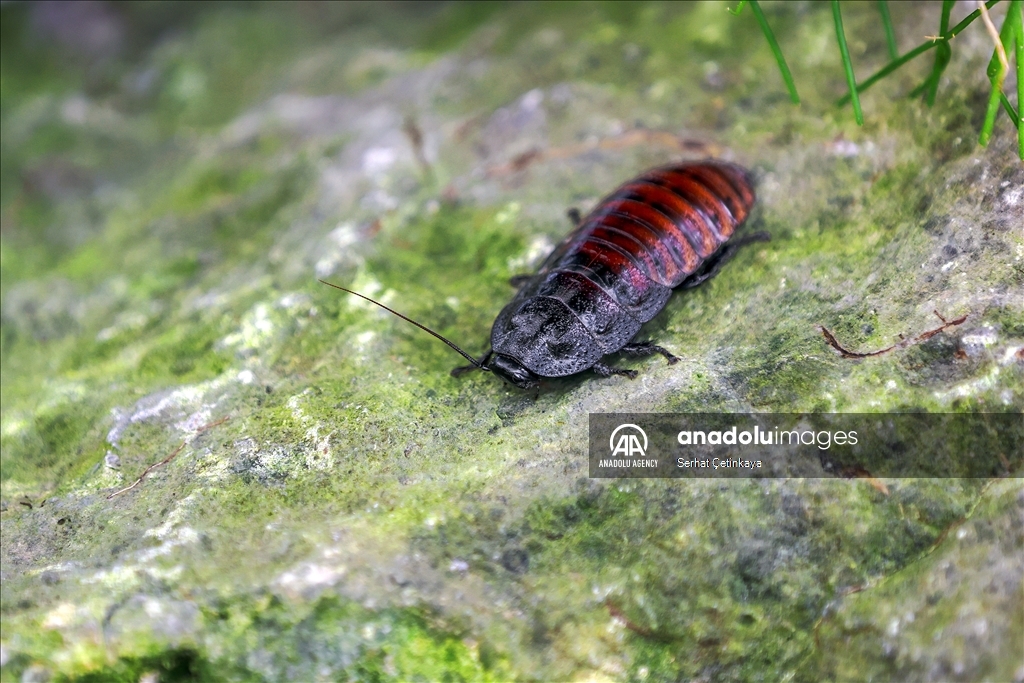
(990, 114)
(844, 51)
(1017, 18)
(943, 53)
(930, 87)
(890, 35)
(888, 69)
(997, 73)
(1020, 81)
(739, 8)
(1008, 108)
(786, 75)
(920, 49)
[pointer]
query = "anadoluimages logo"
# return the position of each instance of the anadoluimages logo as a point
(628, 443)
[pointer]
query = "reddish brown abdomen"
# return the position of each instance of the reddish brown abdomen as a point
(667, 221)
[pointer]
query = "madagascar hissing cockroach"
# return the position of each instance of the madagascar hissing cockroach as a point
(615, 271)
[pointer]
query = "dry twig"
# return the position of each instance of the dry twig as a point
(415, 135)
(924, 336)
(168, 458)
(617, 613)
(1000, 50)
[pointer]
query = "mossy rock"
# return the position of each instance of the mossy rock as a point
(329, 502)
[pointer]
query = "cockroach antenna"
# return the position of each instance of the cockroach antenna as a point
(447, 341)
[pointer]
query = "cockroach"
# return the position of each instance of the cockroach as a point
(616, 270)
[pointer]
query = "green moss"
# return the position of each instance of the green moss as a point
(399, 645)
(653, 544)
(212, 185)
(28, 67)
(175, 666)
(449, 271)
(336, 635)
(86, 262)
(52, 444)
(1009, 320)
(225, 64)
(184, 353)
(455, 23)
(246, 232)
(893, 628)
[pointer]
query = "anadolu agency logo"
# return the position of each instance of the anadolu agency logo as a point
(628, 443)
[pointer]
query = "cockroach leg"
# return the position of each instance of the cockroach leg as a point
(641, 349)
(607, 371)
(724, 255)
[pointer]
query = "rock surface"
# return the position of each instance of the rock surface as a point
(333, 504)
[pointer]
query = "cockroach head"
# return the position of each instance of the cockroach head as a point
(511, 370)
